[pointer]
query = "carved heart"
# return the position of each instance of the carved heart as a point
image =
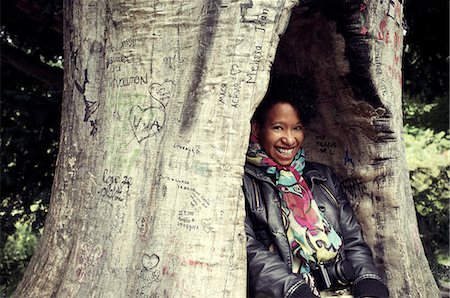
(234, 69)
(206, 223)
(162, 92)
(146, 122)
(150, 262)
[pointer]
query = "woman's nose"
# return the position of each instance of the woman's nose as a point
(288, 138)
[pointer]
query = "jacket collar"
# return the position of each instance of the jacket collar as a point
(310, 173)
(256, 172)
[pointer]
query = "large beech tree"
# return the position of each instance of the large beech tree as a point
(147, 198)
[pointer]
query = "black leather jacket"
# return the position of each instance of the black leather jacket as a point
(270, 272)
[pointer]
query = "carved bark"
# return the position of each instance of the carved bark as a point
(147, 198)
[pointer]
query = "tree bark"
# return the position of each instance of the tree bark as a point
(147, 198)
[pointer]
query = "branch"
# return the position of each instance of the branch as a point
(52, 76)
(32, 10)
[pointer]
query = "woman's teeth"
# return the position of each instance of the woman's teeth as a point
(285, 151)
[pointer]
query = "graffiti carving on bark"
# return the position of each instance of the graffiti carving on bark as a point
(148, 121)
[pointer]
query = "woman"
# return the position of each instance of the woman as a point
(302, 235)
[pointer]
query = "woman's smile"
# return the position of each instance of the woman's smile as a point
(281, 135)
(285, 151)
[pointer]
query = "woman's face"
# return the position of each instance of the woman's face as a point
(282, 134)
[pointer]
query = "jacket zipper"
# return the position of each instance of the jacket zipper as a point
(257, 194)
(330, 195)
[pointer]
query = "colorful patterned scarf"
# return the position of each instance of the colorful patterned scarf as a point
(311, 237)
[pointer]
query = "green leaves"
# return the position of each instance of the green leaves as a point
(428, 159)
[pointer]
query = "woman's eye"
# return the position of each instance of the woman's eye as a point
(298, 127)
(277, 127)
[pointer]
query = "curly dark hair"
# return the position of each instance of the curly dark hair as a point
(297, 91)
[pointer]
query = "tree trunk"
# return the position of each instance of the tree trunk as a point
(147, 198)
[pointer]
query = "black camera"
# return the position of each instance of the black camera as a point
(333, 275)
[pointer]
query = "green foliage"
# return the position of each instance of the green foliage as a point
(426, 54)
(426, 114)
(29, 142)
(16, 254)
(29, 131)
(432, 115)
(427, 155)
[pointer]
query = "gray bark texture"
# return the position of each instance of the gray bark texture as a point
(147, 198)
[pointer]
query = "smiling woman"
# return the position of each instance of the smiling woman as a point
(302, 235)
(282, 133)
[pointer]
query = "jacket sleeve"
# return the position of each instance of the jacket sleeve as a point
(356, 249)
(268, 275)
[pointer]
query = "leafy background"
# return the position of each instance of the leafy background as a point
(31, 84)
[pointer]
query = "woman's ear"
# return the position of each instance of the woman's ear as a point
(255, 128)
